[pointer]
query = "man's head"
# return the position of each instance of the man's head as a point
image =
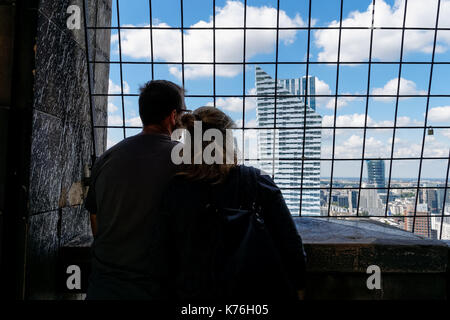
(161, 103)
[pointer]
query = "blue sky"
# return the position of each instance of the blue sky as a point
(293, 47)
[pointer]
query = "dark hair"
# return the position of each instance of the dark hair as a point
(211, 118)
(157, 99)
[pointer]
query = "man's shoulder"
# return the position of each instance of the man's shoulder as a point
(135, 146)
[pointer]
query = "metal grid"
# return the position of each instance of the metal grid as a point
(309, 28)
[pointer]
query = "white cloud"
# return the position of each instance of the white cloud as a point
(351, 120)
(235, 104)
(357, 120)
(445, 132)
(134, 122)
(439, 114)
(198, 44)
(110, 142)
(115, 88)
(117, 120)
(248, 124)
(112, 108)
(322, 88)
(378, 145)
(352, 147)
(407, 87)
(386, 43)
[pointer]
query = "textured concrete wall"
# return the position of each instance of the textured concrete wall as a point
(61, 138)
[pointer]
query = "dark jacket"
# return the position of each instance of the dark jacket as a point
(180, 209)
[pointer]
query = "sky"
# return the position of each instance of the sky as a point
(292, 47)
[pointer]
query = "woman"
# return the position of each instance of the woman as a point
(231, 233)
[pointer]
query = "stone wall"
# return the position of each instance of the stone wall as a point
(61, 145)
(340, 251)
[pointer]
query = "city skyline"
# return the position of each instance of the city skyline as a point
(233, 80)
(371, 85)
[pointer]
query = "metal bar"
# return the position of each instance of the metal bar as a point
(305, 99)
(89, 79)
(335, 106)
(426, 113)
(243, 78)
(182, 42)
(270, 28)
(367, 107)
(267, 62)
(121, 71)
(272, 96)
(356, 187)
(445, 197)
(151, 39)
(320, 128)
(214, 53)
(276, 89)
(396, 108)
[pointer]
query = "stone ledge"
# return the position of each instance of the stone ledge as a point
(339, 252)
(334, 245)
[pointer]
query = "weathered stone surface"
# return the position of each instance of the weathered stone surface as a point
(359, 230)
(351, 246)
(43, 245)
(62, 137)
(75, 224)
(99, 14)
(394, 286)
(61, 86)
(75, 152)
(46, 169)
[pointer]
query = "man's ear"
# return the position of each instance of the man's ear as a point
(173, 117)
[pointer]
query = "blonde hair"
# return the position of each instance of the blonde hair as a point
(211, 118)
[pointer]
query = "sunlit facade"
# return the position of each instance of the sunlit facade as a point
(288, 144)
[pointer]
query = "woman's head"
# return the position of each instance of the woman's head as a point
(216, 142)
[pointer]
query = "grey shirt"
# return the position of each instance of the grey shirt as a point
(126, 187)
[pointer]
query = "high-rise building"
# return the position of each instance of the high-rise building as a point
(370, 201)
(298, 86)
(375, 174)
(275, 143)
(422, 224)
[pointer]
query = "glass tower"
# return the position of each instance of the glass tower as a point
(279, 150)
(375, 173)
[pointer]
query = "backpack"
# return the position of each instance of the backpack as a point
(246, 264)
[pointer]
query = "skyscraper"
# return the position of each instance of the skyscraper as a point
(375, 173)
(274, 144)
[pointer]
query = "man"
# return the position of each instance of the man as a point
(127, 183)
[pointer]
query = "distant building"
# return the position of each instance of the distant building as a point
(436, 225)
(370, 201)
(376, 174)
(353, 199)
(276, 143)
(422, 226)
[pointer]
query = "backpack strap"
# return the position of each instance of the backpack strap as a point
(249, 191)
